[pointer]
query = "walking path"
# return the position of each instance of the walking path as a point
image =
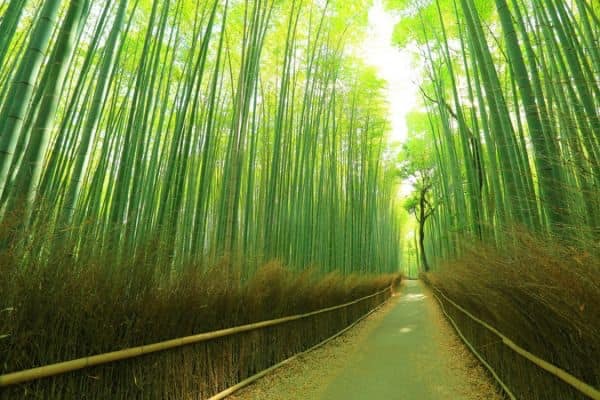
(406, 351)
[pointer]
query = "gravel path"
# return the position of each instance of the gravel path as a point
(406, 350)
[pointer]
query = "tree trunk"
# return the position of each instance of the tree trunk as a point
(422, 218)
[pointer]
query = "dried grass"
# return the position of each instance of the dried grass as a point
(58, 307)
(542, 294)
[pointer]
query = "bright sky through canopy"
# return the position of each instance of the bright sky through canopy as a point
(393, 65)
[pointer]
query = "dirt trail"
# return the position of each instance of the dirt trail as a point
(406, 351)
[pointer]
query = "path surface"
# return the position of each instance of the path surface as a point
(406, 351)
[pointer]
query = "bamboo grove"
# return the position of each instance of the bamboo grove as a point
(512, 103)
(205, 128)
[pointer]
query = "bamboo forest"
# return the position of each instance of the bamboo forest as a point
(300, 199)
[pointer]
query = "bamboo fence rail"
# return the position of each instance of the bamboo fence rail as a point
(229, 391)
(559, 373)
(31, 374)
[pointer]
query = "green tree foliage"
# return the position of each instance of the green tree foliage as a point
(417, 167)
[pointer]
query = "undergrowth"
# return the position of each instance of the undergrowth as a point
(56, 307)
(542, 294)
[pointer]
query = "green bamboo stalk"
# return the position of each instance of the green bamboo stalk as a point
(27, 178)
(13, 113)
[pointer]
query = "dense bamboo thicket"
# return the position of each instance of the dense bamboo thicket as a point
(508, 194)
(516, 101)
(156, 154)
(214, 128)
(512, 97)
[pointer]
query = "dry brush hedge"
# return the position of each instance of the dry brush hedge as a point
(544, 297)
(202, 369)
